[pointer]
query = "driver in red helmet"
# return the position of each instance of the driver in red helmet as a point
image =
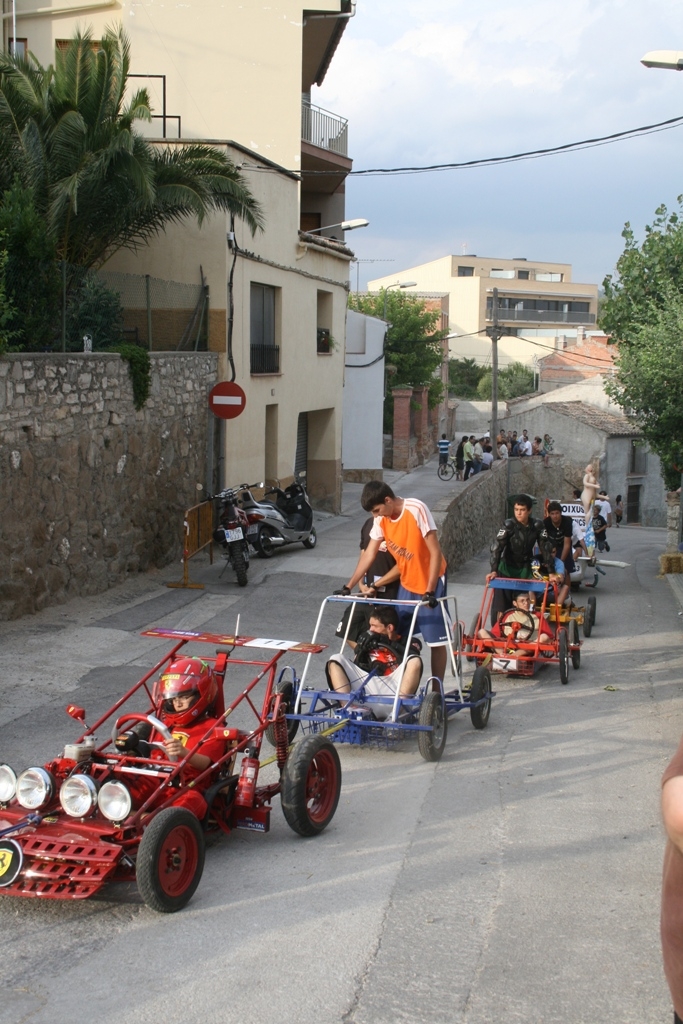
(184, 699)
(380, 650)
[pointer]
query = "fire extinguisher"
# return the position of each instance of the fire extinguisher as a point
(246, 786)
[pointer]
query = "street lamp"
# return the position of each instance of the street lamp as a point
(670, 60)
(345, 225)
(396, 284)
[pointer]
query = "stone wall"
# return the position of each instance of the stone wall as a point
(540, 477)
(474, 517)
(90, 487)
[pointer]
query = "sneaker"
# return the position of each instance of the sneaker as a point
(606, 546)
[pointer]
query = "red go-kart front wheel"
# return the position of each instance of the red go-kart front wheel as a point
(170, 860)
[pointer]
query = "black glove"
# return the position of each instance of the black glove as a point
(344, 592)
(430, 598)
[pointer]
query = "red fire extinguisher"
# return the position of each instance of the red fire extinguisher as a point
(246, 786)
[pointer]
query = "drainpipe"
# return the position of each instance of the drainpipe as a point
(320, 17)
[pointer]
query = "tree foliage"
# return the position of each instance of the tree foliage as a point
(513, 381)
(413, 343)
(643, 313)
(98, 186)
(464, 376)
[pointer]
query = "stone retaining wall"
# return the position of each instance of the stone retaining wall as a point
(474, 517)
(91, 488)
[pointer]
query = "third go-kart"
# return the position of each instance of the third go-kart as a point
(520, 649)
(362, 717)
(94, 815)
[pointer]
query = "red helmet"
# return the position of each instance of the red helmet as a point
(383, 659)
(186, 677)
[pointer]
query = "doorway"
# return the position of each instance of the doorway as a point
(633, 503)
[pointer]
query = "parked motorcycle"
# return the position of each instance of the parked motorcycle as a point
(287, 519)
(232, 533)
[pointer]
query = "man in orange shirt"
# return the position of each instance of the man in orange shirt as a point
(407, 527)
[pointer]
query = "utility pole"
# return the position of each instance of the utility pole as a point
(495, 333)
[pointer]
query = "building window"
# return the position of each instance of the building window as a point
(638, 460)
(63, 44)
(465, 271)
(543, 275)
(324, 342)
(265, 354)
(499, 272)
(21, 49)
(523, 275)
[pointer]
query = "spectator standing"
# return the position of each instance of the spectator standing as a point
(460, 458)
(478, 452)
(602, 501)
(600, 531)
(487, 457)
(444, 447)
(503, 450)
(537, 446)
(618, 510)
(468, 453)
(525, 445)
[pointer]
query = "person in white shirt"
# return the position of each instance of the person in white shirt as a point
(602, 502)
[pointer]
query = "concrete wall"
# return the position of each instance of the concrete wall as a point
(363, 397)
(474, 517)
(90, 487)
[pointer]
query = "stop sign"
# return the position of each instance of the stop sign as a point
(227, 400)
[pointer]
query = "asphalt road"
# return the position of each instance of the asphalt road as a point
(516, 880)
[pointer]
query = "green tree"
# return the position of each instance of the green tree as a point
(643, 313)
(97, 184)
(96, 310)
(513, 381)
(7, 309)
(464, 376)
(413, 344)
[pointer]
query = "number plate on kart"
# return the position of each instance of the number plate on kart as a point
(231, 535)
(504, 665)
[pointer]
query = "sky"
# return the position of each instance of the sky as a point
(438, 81)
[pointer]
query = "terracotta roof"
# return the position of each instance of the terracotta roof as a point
(611, 423)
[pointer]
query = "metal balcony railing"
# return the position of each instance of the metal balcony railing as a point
(321, 128)
(265, 359)
(542, 316)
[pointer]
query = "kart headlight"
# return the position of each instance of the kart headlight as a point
(78, 796)
(35, 787)
(114, 801)
(8, 784)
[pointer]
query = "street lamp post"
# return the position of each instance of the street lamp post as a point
(396, 284)
(345, 225)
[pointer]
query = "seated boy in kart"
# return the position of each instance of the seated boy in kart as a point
(184, 699)
(379, 651)
(519, 626)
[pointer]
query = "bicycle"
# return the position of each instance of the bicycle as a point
(446, 470)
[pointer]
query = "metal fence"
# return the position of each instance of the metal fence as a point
(48, 306)
(321, 128)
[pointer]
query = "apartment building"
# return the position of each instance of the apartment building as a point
(538, 303)
(241, 76)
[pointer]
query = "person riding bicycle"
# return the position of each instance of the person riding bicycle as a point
(444, 447)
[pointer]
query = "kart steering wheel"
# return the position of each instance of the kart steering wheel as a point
(152, 720)
(517, 625)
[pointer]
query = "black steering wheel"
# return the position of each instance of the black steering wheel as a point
(152, 720)
(517, 625)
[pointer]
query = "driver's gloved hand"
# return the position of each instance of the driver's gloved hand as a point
(430, 597)
(127, 742)
(342, 592)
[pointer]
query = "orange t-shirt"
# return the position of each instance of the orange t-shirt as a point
(405, 540)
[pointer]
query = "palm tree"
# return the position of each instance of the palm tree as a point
(68, 135)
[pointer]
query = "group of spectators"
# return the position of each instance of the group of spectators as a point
(518, 445)
(472, 455)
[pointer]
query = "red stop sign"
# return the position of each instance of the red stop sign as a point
(227, 400)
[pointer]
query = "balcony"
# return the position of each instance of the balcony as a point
(265, 359)
(325, 130)
(542, 316)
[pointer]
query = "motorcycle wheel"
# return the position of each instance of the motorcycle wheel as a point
(264, 544)
(239, 564)
(311, 540)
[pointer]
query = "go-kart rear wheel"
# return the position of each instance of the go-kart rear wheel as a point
(563, 651)
(311, 540)
(431, 744)
(286, 688)
(311, 784)
(481, 687)
(574, 640)
(170, 860)
(591, 607)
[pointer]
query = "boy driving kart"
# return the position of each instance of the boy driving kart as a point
(379, 651)
(185, 702)
(518, 626)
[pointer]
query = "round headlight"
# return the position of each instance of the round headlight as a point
(114, 801)
(35, 787)
(8, 784)
(78, 796)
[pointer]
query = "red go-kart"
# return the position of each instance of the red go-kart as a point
(95, 815)
(518, 647)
